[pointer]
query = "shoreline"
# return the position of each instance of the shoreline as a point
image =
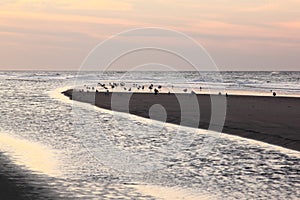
(274, 120)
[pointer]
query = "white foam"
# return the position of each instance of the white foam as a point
(57, 94)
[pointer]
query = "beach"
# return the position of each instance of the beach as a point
(274, 120)
(56, 148)
(150, 100)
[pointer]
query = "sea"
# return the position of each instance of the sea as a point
(74, 150)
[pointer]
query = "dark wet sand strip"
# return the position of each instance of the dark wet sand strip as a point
(274, 120)
(17, 183)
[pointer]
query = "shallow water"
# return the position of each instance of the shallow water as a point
(100, 153)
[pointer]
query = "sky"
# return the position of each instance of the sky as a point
(239, 35)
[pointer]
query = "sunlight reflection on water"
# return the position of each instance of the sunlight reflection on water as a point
(35, 115)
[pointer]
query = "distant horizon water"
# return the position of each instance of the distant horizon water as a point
(284, 83)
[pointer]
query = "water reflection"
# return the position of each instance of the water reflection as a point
(234, 169)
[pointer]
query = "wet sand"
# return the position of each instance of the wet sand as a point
(8, 189)
(17, 183)
(274, 120)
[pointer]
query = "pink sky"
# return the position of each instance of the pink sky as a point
(239, 35)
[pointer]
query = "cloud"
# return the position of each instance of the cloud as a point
(115, 5)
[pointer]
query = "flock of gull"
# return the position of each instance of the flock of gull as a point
(136, 87)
